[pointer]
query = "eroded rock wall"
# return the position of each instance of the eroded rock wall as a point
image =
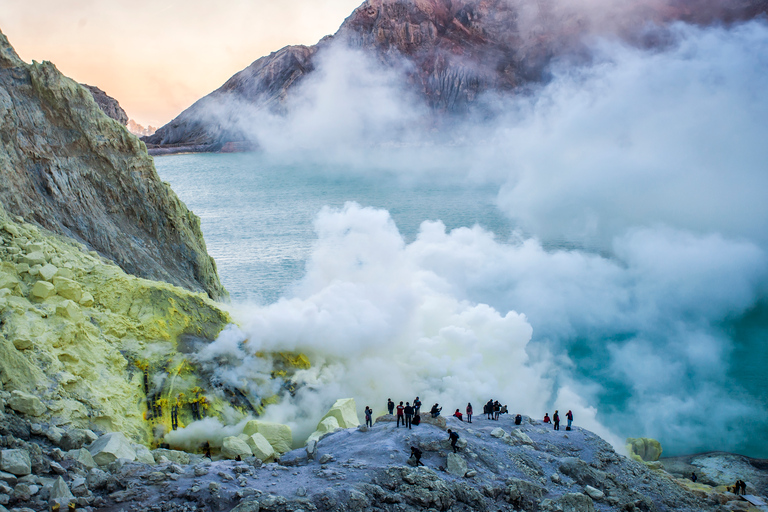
(68, 167)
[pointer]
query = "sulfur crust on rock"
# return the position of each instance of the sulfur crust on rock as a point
(78, 356)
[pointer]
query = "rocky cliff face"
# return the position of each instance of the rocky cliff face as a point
(108, 104)
(452, 52)
(66, 166)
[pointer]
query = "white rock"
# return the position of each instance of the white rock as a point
(519, 437)
(456, 464)
(82, 456)
(595, 494)
(60, 490)
(16, 462)
(110, 447)
(498, 432)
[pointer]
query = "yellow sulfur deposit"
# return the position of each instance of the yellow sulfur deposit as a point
(74, 327)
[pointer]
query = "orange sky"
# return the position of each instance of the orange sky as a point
(157, 57)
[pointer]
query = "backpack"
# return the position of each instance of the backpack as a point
(454, 436)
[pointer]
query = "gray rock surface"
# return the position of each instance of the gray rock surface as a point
(108, 104)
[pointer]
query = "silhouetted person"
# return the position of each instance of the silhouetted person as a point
(390, 406)
(207, 450)
(453, 436)
(488, 409)
(496, 409)
(469, 412)
(556, 420)
(400, 414)
(435, 411)
(569, 417)
(408, 414)
(416, 406)
(518, 419)
(368, 416)
(416, 454)
(694, 477)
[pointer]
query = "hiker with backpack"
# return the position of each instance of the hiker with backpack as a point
(569, 417)
(454, 437)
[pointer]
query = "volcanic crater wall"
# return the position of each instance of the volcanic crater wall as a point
(68, 167)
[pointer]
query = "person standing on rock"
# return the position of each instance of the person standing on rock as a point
(556, 420)
(454, 437)
(496, 410)
(408, 414)
(368, 416)
(400, 414)
(416, 406)
(390, 406)
(469, 412)
(489, 408)
(569, 417)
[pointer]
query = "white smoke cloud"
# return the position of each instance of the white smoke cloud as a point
(652, 162)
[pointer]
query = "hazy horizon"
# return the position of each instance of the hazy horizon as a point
(153, 59)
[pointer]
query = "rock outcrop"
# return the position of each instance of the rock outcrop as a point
(355, 470)
(449, 52)
(108, 104)
(68, 167)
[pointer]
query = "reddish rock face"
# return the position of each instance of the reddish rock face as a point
(453, 51)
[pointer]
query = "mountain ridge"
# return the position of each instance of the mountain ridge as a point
(451, 53)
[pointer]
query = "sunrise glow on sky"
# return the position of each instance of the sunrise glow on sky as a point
(158, 57)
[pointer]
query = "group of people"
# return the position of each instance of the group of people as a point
(555, 420)
(410, 414)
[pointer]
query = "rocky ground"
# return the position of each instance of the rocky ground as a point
(500, 466)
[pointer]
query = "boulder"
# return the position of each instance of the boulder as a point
(174, 456)
(60, 491)
(260, 447)
(571, 502)
(42, 290)
(439, 422)
(233, 446)
(345, 412)
(325, 427)
(69, 310)
(143, 454)
(456, 464)
(76, 438)
(82, 456)
(595, 494)
(276, 434)
(517, 437)
(47, 272)
(86, 300)
(34, 258)
(26, 404)
(110, 447)
(68, 288)
(643, 449)
(498, 432)
(15, 462)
